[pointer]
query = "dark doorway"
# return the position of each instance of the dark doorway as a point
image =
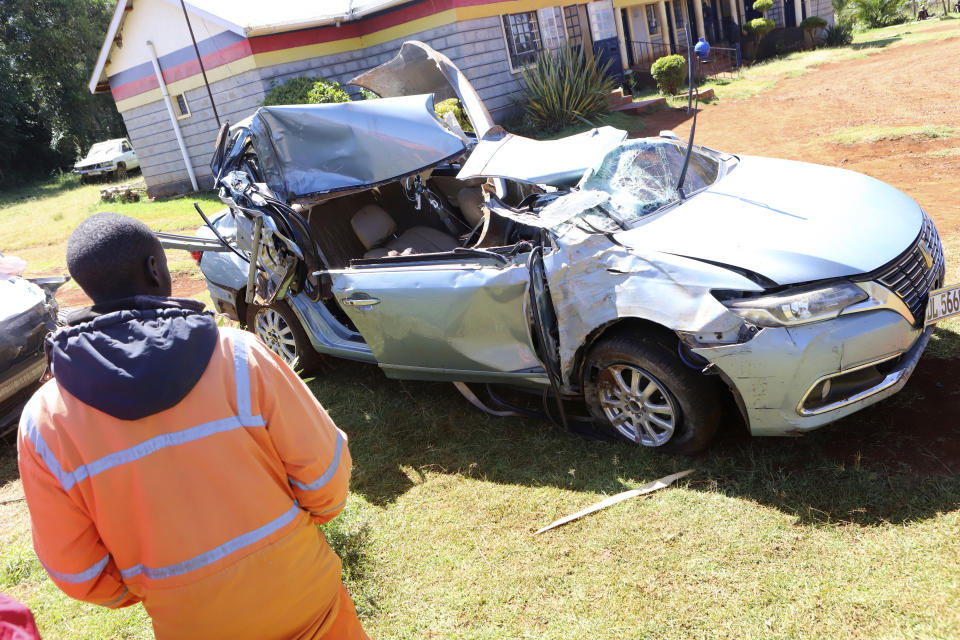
(628, 39)
(789, 13)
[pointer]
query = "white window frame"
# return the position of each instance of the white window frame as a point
(553, 27)
(650, 10)
(176, 102)
(544, 39)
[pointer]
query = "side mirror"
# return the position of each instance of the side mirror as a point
(667, 133)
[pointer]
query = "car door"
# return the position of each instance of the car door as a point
(129, 157)
(458, 316)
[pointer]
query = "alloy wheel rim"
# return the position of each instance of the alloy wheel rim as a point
(637, 404)
(276, 334)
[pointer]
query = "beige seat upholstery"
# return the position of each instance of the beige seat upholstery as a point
(470, 201)
(375, 229)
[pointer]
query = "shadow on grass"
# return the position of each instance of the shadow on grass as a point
(400, 431)
(39, 189)
(875, 44)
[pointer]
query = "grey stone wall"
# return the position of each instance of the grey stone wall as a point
(476, 46)
(152, 136)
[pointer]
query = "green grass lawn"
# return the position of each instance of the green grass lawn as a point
(36, 221)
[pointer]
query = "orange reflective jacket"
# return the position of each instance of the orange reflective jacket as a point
(205, 511)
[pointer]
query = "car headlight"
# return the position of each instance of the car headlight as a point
(801, 305)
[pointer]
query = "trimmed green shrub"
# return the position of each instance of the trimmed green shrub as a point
(366, 94)
(293, 91)
(327, 91)
(452, 105)
(670, 72)
(878, 13)
(760, 27)
(763, 6)
(838, 35)
(811, 24)
(565, 87)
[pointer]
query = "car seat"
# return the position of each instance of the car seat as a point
(378, 233)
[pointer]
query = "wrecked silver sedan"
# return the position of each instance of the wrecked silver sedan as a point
(583, 267)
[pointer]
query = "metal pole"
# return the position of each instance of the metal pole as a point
(200, 60)
(173, 116)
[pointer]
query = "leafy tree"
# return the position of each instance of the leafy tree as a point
(878, 13)
(48, 50)
(811, 24)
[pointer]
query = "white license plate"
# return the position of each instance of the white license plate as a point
(943, 303)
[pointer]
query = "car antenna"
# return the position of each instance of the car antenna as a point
(693, 126)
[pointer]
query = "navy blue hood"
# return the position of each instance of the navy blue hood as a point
(134, 357)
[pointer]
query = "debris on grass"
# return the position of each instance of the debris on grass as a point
(650, 487)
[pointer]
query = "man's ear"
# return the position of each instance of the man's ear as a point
(154, 273)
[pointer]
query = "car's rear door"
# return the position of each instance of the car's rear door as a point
(457, 316)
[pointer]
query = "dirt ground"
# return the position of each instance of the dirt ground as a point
(917, 430)
(184, 286)
(909, 85)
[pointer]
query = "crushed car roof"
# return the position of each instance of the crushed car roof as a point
(309, 149)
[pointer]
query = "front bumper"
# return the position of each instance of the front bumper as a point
(94, 171)
(780, 374)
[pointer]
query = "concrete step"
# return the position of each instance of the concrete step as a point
(615, 101)
(640, 106)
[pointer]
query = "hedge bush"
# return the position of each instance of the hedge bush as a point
(293, 91)
(452, 105)
(326, 92)
(670, 72)
(763, 6)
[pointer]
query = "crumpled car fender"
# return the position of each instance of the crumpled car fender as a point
(595, 282)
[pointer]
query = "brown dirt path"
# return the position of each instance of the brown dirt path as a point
(909, 85)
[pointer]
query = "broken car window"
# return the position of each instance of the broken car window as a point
(640, 176)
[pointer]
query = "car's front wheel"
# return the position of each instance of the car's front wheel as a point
(280, 329)
(638, 387)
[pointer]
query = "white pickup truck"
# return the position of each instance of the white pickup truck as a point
(112, 157)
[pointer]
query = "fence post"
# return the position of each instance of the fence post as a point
(739, 55)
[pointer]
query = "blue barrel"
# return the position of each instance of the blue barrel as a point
(702, 49)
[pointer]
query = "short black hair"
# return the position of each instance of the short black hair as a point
(107, 253)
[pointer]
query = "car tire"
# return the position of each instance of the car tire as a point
(280, 330)
(638, 383)
(121, 172)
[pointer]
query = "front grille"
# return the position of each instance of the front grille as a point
(908, 275)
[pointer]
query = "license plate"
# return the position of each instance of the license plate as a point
(943, 303)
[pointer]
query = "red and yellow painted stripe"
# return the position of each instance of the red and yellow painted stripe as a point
(138, 86)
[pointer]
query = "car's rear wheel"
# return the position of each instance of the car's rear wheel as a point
(280, 329)
(121, 172)
(638, 388)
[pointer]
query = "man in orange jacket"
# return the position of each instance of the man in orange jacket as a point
(178, 464)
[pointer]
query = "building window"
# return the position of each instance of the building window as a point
(180, 106)
(552, 31)
(653, 27)
(523, 38)
(574, 30)
(678, 14)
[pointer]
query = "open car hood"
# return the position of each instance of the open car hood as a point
(311, 149)
(553, 162)
(418, 69)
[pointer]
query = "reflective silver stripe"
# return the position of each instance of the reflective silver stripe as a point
(331, 509)
(328, 474)
(68, 479)
(117, 599)
(209, 557)
(83, 576)
(241, 373)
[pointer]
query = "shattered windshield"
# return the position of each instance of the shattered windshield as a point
(640, 176)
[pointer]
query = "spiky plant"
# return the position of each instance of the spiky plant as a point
(565, 87)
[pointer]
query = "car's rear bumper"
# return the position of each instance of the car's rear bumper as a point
(794, 380)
